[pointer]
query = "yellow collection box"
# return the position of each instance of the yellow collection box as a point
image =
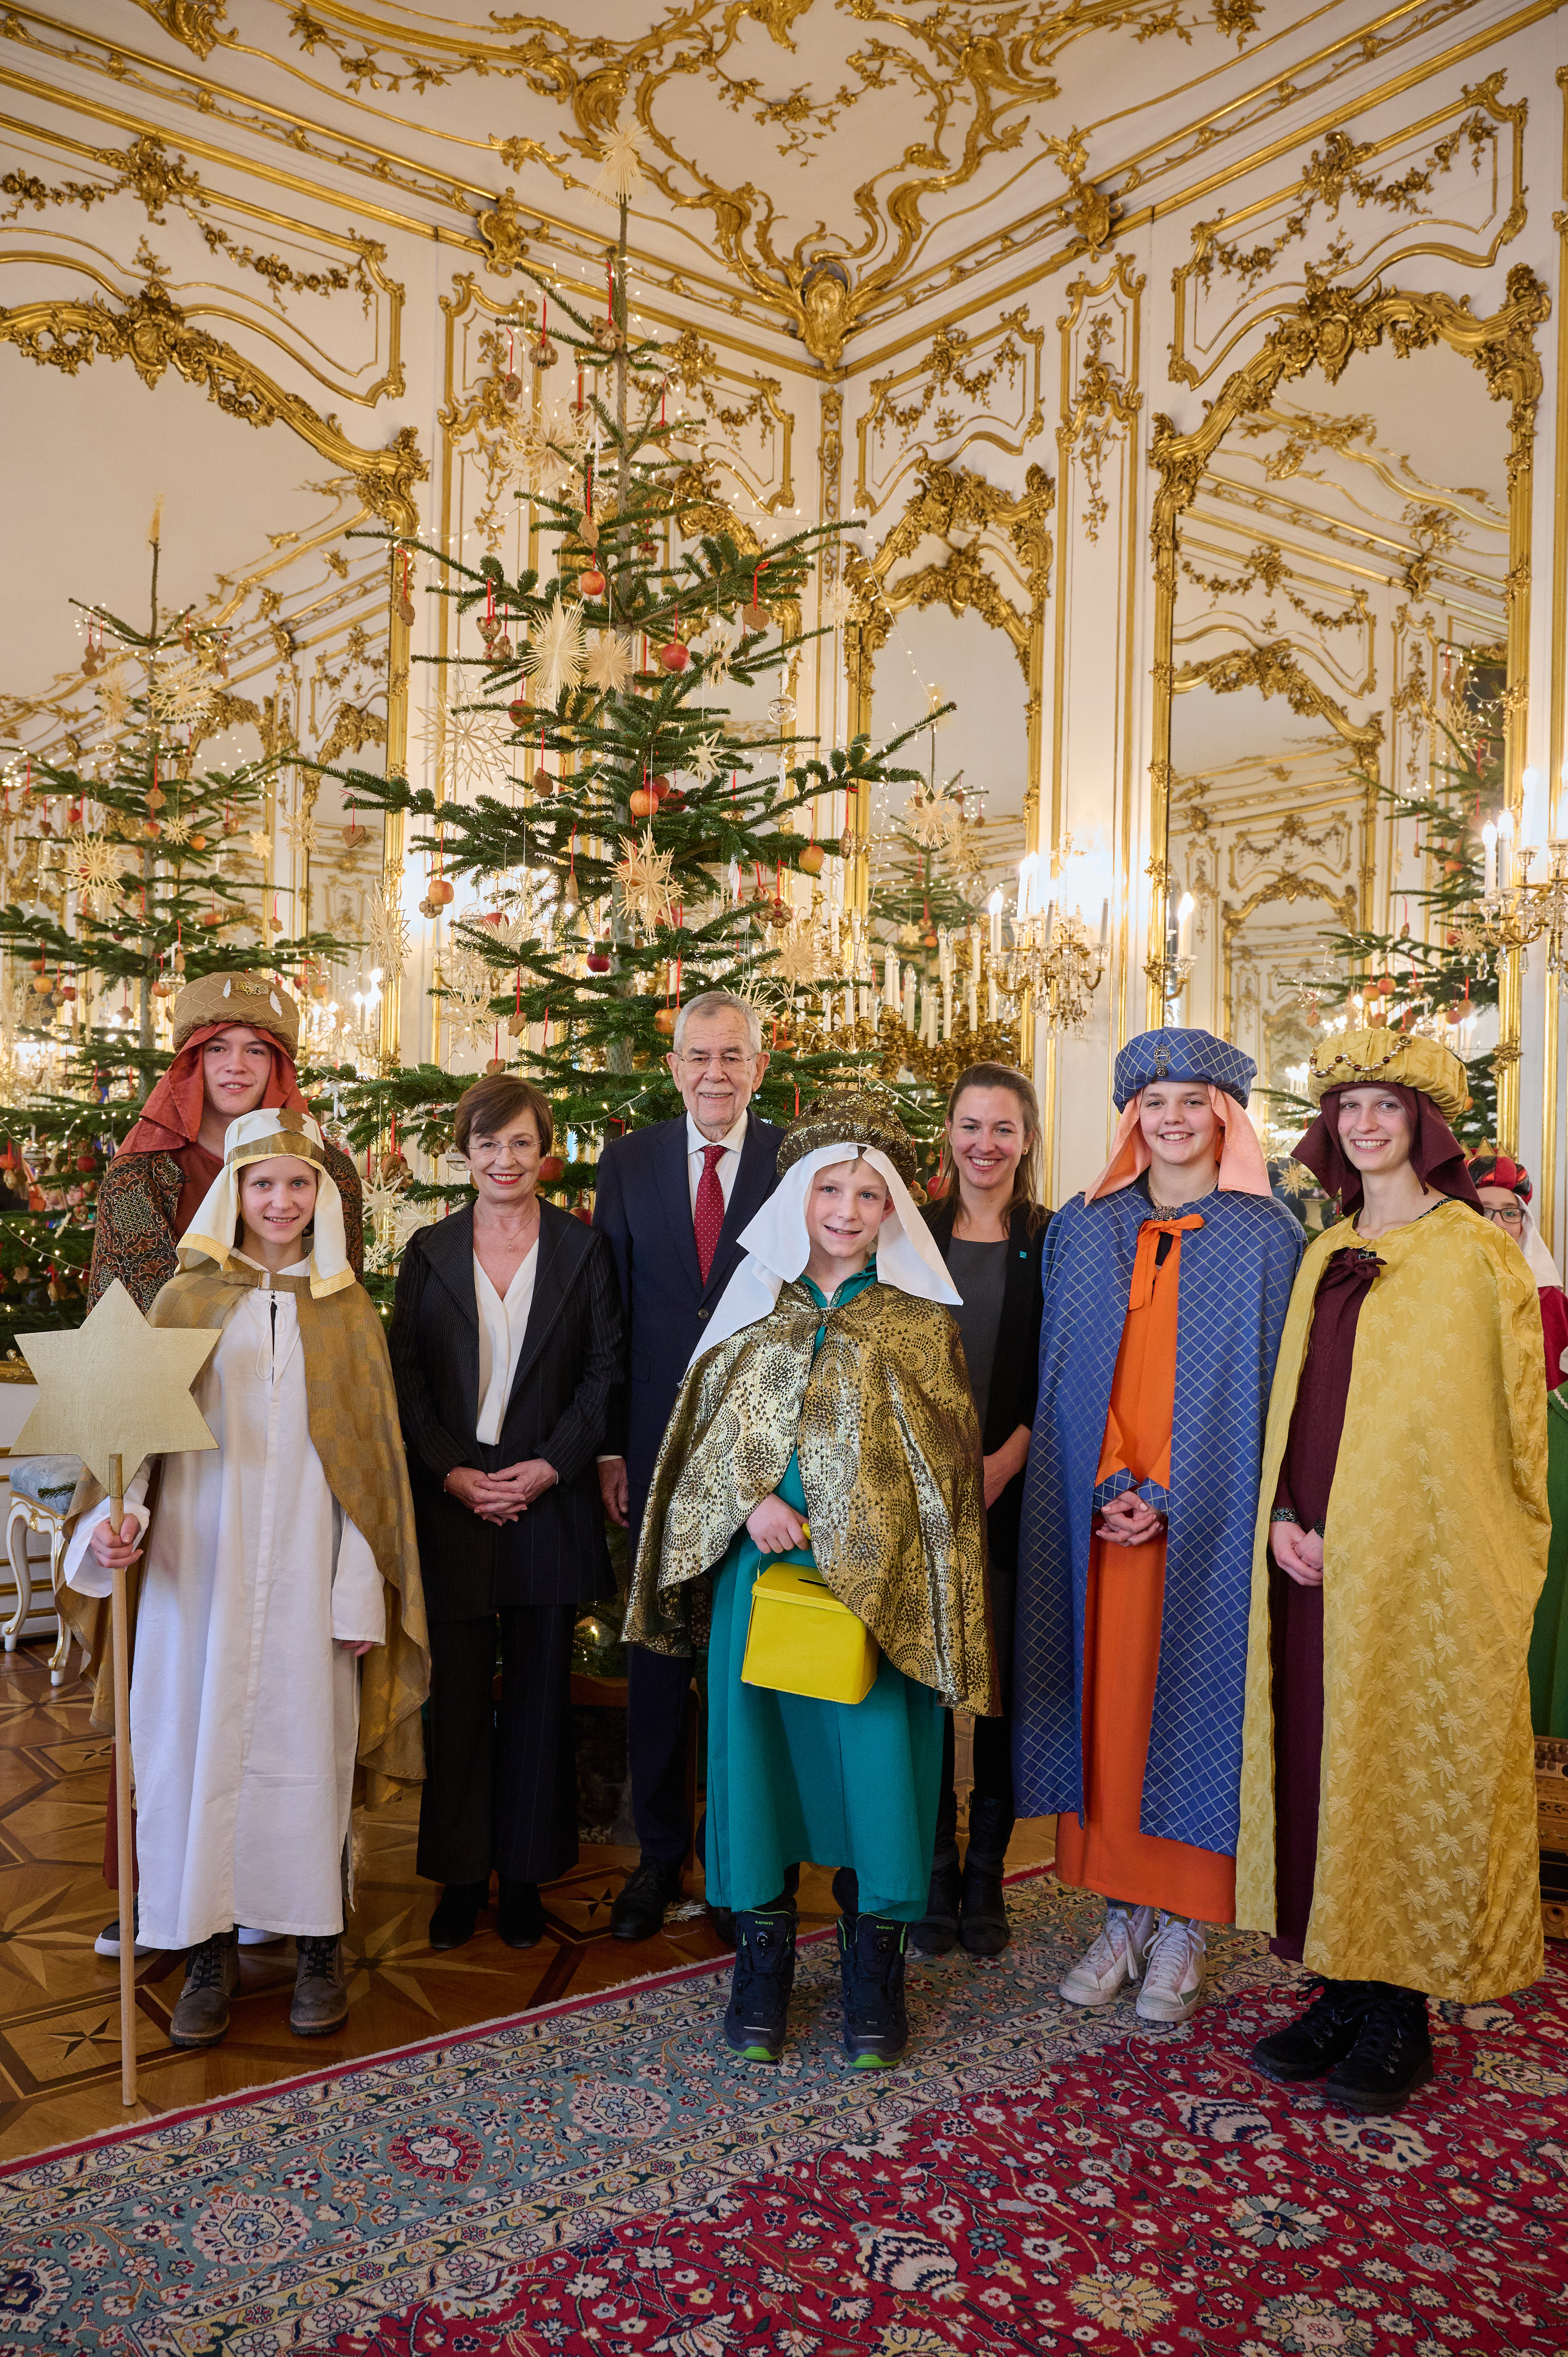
(802, 1641)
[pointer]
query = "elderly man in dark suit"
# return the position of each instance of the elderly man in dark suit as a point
(673, 1200)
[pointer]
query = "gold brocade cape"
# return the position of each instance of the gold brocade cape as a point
(1434, 1553)
(354, 1428)
(884, 1423)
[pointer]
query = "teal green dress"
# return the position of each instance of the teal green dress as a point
(791, 1779)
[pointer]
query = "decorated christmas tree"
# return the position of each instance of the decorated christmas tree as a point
(628, 837)
(1437, 975)
(125, 877)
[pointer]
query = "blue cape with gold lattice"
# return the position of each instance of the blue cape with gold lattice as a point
(1236, 1276)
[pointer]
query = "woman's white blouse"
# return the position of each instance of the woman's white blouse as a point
(502, 1325)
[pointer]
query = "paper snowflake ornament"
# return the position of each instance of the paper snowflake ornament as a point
(705, 762)
(609, 664)
(474, 741)
(180, 694)
(643, 874)
(838, 605)
(386, 933)
(801, 959)
(301, 829)
(554, 661)
(932, 820)
(258, 842)
(114, 695)
(620, 169)
(176, 829)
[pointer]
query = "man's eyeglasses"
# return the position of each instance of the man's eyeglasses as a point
(702, 1060)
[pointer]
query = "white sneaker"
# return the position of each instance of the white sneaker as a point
(1115, 1956)
(1173, 1976)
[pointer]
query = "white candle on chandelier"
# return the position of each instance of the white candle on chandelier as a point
(974, 1002)
(1029, 871)
(1104, 926)
(1184, 925)
(1504, 848)
(827, 1010)
(908, 999)
(890, 981)
(994, 907)
(1489, 855)
(848, 1009)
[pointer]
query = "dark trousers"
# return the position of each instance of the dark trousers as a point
(500, 1787)
(656, 1687)
(991, 1814)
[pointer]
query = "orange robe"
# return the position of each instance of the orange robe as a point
(1121, 1630)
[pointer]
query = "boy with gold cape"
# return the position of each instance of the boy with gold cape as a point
(274, 1564)
(831, 1404)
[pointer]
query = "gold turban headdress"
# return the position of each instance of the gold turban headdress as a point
(1407, 1059)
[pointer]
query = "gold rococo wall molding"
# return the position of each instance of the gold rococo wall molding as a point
(153, 333)
(1325, 331)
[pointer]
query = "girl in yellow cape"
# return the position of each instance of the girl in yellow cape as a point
(275, 1563)
(1387, 1802)
(831, 1406)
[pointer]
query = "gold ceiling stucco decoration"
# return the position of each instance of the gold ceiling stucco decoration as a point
(197, 23)
(152, 332)
(873, 114)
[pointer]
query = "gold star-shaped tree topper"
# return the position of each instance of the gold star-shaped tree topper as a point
(115, 1386)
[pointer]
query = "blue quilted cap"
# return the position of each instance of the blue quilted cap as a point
(1182, 1056)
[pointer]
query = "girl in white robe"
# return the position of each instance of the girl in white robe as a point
(259, 1596)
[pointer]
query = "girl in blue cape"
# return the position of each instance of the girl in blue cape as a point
(1166, 1288)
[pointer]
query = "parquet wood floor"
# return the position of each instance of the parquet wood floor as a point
(60, 2031)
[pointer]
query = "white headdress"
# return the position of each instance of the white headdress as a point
(778, 1247)
(258, 1137)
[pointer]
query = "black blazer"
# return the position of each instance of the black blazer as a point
(643, 1209)
(553, 1553)
(1016, 1372)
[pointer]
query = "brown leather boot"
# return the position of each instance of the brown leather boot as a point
(200, 2017)
(320, 1989)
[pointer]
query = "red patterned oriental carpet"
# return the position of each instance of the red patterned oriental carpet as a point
(601, 2178)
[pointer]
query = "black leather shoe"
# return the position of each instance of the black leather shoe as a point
(983, 1911)
(1321, 2037)
(520, 1916)
(936, 1935)
(456, 1913)
(647, 1891)
(1391, 2057)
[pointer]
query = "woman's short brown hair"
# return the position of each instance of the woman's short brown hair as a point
(497, 1100)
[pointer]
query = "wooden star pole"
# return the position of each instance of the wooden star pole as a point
(114, 1392)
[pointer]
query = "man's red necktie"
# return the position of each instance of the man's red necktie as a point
(708, 1213)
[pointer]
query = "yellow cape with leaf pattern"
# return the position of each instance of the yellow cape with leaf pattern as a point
(1434, 1552)
(884, 1425)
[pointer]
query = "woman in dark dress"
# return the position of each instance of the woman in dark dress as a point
(504, 1345)
(989, 1227)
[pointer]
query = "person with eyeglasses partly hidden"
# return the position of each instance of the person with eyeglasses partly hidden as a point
(672, 1199)
(1504, 1189)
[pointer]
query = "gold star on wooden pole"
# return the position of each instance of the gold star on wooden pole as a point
(112, 1392)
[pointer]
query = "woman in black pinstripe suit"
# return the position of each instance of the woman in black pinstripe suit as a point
(506, 1344)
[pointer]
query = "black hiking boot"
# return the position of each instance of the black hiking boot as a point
(983, 1911)
(1390, 2058)
(763, 1976)
(1318, 2039)
(1321, 2037)
(875, 2017)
